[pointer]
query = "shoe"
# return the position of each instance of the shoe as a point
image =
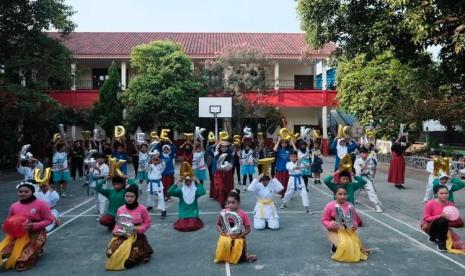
(149, 208)
(163, 214)
(378, 209)
(79, 178)
(397, 186)
(442, 246)
(433, 240)
(309, 211)
(402, 187)
(63, 194)
(244, 189)
(282, 206)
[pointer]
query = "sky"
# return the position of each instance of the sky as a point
(185, 15)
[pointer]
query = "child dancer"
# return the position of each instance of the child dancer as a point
(22, 253)
(167, 156)
(127, 251)
(50, 196)
(431, 177)
(155, 170)
(296, 183)
(99, 172)
(210, 158)
(341, 148)
(237, 161)
(188, 194)
(115, 198)
(365, 168)
(224, 176)
(143, 159)
(121, 154)
(26, 168)
(265, 214)
(247, 163)
(282, 150)
(317, 165)
(232, 248)
(198, 163)
(303, 154)
(186, 153)
(438, 225)
(453, 184)
(346, 245)
(345, 180)
(60, 166)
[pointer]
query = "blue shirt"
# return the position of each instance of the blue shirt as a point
(169, 169)
(282, 157)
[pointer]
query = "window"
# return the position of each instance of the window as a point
(303, 81)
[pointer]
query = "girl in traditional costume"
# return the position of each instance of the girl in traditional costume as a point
(224, 174)
(22, 252)
(188, 194)
(339, 219)
(232, 247)
(129, 248)
(265, 214)
(438, 223)
(341, 148)
(168, 154)
(282, 150)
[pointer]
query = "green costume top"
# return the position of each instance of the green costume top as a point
(351, 187)
(115, 198)
(454, 185)
(187, 210)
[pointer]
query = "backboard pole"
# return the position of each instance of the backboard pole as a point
(216, 125)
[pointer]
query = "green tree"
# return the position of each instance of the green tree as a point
(108, 111)
(164, 90)
(237, 70)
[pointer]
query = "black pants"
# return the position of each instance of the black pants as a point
(237, 167)
(76, 163)
(305, 177)
(244, 179)
(135, 163)
(439, 229)
(260, 168)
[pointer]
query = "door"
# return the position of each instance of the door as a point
(303, 82)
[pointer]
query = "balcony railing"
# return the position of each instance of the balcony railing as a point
(292, 85)
(84, 84)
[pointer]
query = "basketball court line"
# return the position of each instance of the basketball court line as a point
(75, 207)
(402, 234)
(68, 221)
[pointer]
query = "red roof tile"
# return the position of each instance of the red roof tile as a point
(200, 45)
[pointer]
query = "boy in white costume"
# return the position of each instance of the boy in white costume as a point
(98, 172)
(26, 168)
(365, 167)
(296, 182)
(154, 169)
(431, 177)
(265, 211)
(50, 196)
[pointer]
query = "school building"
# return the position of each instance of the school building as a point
(301, 85)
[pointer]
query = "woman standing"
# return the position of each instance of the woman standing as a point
(77, 160)
(397, 168)
(22, 253)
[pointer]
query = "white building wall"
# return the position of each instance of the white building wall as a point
(287, 71)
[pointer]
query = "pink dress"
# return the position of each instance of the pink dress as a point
(329, 215)
(36, 211)
(140, 217)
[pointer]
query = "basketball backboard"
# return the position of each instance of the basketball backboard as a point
(211, 107)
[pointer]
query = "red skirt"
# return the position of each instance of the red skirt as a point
(212, 186)
(283, 177)
(188, 224)
(224, 183)
(167, 181)
(397, 169)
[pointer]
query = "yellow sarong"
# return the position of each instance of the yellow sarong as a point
(261, 204)
(226, 252)
(349, 246)
(449, 243)
(119, 257)
(20, 243)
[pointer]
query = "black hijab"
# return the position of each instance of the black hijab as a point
(135, 190)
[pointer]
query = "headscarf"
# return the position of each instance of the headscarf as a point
(341, 150)
(135, 190)
(188, 192)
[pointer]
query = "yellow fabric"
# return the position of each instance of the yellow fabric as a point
(449, 243)
(227, 253)
(119, 257)
(262, 203)
(20, 243)
(349, 248)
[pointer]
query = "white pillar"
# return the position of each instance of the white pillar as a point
(324, 121)
(123, 75)
(276, 76)
(314, 67)
(73, 76)
(22, 78)
(324, 77)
